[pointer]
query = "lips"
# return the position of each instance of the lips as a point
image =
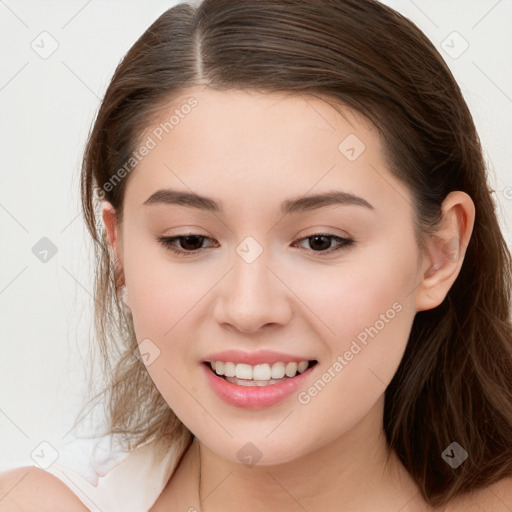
(255, 397)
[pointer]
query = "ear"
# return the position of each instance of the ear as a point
(113, 235)
(446, 250)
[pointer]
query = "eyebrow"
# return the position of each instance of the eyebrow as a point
(175, 197)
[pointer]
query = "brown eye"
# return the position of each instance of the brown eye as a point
(321, 242)
(191, 243)
(187, 244)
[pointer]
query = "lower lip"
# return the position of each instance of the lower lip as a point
(254, 397)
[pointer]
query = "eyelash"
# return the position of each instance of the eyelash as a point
(168, 243)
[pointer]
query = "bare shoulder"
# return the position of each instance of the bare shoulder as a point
(32, 489)
(498, 496)
(494, 498)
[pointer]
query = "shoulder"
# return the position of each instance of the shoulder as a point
(32, 489)
(496, 497)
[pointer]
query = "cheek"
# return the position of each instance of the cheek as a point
(360, 299)
(162, 292)
(165, 299)
(366, 310)
(371, 314)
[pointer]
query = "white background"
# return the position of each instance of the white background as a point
(47, 106)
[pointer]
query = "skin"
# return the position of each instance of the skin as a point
(251, 151)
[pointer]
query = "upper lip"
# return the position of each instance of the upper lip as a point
(252, 358)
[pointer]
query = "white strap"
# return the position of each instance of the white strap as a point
(133, 485)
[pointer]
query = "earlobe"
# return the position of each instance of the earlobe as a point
(112, 231)
(446, 251)
(109, 220)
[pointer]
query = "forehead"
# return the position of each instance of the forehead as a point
(239, 113)
(258, 146)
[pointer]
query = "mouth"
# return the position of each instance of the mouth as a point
(266, 374)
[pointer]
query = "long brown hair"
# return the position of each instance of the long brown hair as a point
(454, 382)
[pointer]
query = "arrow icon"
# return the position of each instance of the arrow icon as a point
(454, 44)
(44, 44)
(454, 455)
(147, 352)
(249, 253)
(351, 147)
(44, 250)
(44, 455)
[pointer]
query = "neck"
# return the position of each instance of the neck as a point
(353, 472)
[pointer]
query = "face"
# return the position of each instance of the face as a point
(332, 281)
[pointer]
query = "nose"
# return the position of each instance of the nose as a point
(253, 296)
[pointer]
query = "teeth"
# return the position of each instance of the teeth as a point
(302, 366)
(229, 370)
(243, 371)
(261, 372)
(278, 370)
(258, 372)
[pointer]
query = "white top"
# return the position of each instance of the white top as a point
(132, 485)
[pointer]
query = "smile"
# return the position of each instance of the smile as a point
(256, 392)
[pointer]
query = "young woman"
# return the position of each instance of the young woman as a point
(300, 262)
